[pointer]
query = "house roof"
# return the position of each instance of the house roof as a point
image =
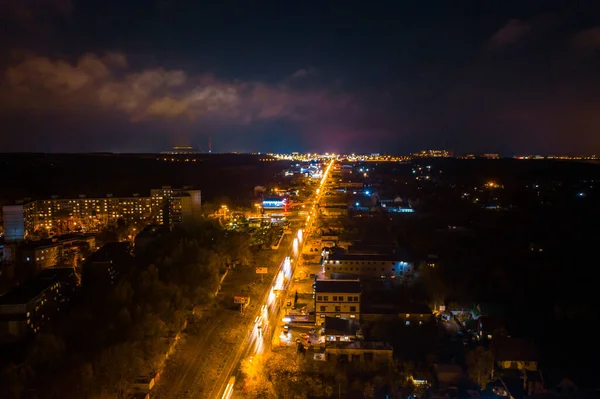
(514, 349)
(367, 257)
(337, 326)
(335, 286)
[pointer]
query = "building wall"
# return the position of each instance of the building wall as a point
(337, 305)
(20, 319)
(93, 214)
(14, 222)
(42, 257)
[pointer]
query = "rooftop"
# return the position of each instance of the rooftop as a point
(335, 286)
(360, 345)
(514, 349)
(26, 292)
(338, 326)
(366, 257)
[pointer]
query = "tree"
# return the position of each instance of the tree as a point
(480, 365)
(116, 367)
(46, 351)
(13, 379)
(256, 382)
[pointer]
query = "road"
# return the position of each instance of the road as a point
(268, 314)
(202, 358)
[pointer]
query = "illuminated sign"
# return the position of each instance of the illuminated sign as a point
(241, 299)
(274, 203)
(261, 270)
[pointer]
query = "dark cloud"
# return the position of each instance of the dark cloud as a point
(510, 33)
(384, 77)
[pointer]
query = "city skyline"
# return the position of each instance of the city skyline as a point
(478, 78)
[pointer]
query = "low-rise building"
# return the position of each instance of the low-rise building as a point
(27, 308)
(411, 313)
(368, 265)
(340, 330)
(337, 298)
(66, 249)
(360, 351)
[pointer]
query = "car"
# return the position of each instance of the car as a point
(286, 329)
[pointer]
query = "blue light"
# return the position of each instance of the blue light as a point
(357, 204)
(581, 194)
(367, 193)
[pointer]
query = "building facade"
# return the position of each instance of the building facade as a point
(337, 298)
(58, 215)
(29, 307)
(367, 265)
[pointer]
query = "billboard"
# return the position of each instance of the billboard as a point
(274, 203)
(241, 299)
(261, 270)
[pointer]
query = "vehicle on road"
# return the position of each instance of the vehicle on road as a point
(229, 389)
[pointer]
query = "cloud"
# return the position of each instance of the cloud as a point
(510, 33)
(105, 82)
(588, 39)
(303, 73)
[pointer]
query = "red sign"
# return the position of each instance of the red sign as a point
(241, 299)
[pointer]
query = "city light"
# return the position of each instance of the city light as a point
(287, 267)
(300, 235)
(295, 246)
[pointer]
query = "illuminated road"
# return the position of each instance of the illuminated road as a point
(258, 339)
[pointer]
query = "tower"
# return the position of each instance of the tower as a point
(209, 144)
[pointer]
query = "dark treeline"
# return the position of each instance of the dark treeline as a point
(40, 176)
(112, 334)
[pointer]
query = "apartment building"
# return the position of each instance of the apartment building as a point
(29, 307)
(337, 298)
(59, 215)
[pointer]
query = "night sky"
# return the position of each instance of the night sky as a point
(340, 76)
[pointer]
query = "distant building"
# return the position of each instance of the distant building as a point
(368, 265)
(27, 308)
(182, 150)
(433, 154)
(173, 206)
(59, 215)
(337, 298)
(491, 156)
